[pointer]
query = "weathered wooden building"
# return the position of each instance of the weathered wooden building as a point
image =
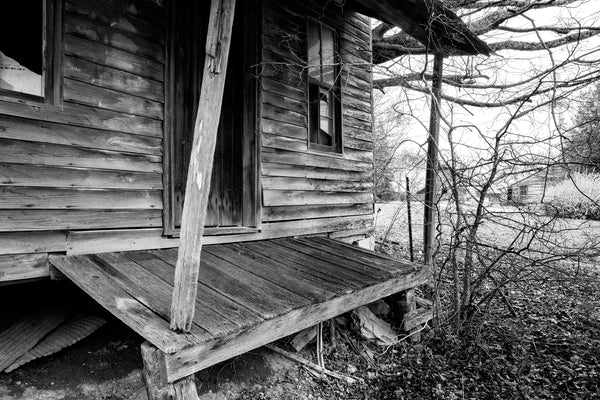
(99, 103)
(530, 188)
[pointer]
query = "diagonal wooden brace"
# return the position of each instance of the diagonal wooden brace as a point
(200, 169)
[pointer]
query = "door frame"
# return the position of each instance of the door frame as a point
(250, 20)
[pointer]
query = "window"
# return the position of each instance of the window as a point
(324, 104)
(523, 190)
(23, 54)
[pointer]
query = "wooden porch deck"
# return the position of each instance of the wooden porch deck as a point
(249, 294)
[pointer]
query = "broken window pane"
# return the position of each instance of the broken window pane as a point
(21, 46)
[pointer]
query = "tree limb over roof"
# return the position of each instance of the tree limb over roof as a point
(429, 21)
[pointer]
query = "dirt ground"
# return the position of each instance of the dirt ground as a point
(107, 364)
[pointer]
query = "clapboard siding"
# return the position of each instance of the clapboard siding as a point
(68, 135)
(36, 153)
(78, 25)
(111, 78)
(109, 99)
(308, 172)
(48, 176)
(85, 174)
(104, 15)
(273, 214)
(111, 57)
(16, 197)
(94, 160)
(48, 220)
(297, 182)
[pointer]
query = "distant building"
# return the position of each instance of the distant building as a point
(529, 188)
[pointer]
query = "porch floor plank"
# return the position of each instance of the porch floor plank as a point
(249, 293)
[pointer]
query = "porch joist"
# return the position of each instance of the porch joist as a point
(249, 294)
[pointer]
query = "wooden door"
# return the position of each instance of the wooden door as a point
(229, 184)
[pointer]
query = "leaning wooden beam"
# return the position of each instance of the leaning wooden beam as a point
(199, 172)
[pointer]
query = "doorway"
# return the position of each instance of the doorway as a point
(232, 199)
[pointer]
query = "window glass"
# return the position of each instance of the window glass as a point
(314, 51)
(324, 103)
(327, 55)
(21, 46)
(326, 119)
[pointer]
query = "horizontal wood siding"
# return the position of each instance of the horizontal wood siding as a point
(84, 175)
(298, 183)
(93, 160)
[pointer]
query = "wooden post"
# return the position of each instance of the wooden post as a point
(156, 382)
(197, 189)
(409, 213)
(408, 305)
(432, 161)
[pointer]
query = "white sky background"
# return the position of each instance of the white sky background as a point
(507, 66)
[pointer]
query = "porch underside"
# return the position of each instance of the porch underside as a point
(249, 294)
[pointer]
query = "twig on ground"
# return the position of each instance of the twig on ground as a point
(310, 364)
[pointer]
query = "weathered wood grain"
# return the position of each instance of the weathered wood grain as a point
(48, 220)
(104, 241)
(81, 115)
(33, 242)
(214, 312)
(286, 170)
(38, 176)
(115, 18)
(18, 197)
(303, 197)
(95, 240)
(95, 96)
(102, 288)
(85, 27)
(286, 213)
(112, 78)
(55, 133)
(111, 57)
(23, 266)
(330, 185)
(313, 160)
(284, 129)
(155, 293)
(36, 153)
(199, 357)
(284, 143)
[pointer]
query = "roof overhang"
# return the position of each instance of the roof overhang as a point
(428, 21)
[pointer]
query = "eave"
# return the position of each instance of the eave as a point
(429, 21)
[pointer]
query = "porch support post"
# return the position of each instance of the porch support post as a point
(154, 375)
(197, 189)
(432, 162)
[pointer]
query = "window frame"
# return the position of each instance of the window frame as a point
(333, 91)
(523, 190)
(51, 20)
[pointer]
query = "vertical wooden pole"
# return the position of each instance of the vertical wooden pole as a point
(432, 161)
(218, 41)
(409, 213)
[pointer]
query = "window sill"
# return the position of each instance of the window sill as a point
(312, 149)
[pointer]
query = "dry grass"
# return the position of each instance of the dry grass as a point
(503, 227)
